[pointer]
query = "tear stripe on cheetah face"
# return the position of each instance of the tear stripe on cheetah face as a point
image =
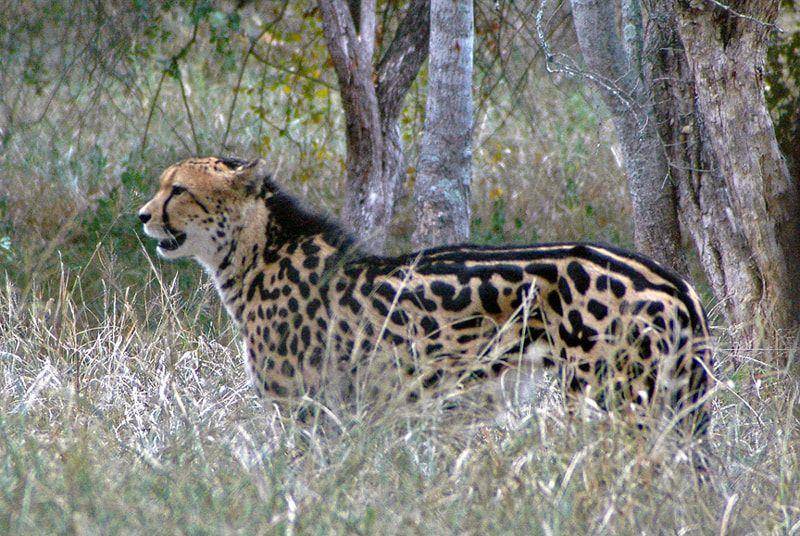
(618, 326)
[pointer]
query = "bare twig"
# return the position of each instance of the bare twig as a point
(561, 63)
(236, 89)
(143, 144)
(188, 111)
(173, 68)
(740, 15)
(266, 61)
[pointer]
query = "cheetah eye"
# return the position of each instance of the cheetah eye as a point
(178, 190)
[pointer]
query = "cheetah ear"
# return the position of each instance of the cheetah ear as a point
(252, 177)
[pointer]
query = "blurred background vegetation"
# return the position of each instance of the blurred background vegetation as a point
(97, 101)
(783, 84)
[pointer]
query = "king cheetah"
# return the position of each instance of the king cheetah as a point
(615, 327)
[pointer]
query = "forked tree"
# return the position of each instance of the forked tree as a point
(372, 97)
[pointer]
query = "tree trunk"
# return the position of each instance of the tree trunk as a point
(703, 202)
(617, 75)
(441, 191)
(372, 98)
(751, 191)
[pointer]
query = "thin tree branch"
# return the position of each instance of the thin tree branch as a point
(143, 144)
(173, 67)
(265, 61)
(253, 42)
(399, 66)
(188, 111)
(561, 63)
(340, 34)
(598, 20)
(236, 90)
(354, 70)
(745, 16)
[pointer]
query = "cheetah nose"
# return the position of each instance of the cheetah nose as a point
(144, 217)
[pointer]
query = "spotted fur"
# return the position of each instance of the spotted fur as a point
(615, 327)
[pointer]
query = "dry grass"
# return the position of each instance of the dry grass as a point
(132, 420)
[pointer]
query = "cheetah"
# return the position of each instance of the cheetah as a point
(615, 328)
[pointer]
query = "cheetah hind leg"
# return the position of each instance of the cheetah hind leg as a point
(509, 382)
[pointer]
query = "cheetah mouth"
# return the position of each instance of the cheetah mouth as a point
(172, 243)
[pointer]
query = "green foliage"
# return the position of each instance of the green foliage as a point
(495, 230)
(579, 119)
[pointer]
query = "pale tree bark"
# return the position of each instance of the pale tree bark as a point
(704, 204)
(441, 191)
(706, 192)
(617, 75)
(725, 49)
(372, 97)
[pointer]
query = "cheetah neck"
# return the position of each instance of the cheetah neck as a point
(259, 244)
(236, 256)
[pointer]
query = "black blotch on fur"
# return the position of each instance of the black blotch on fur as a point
(399, 317)
(278, 389)
(468, 323)
(431, 349)
(380, 307)
(563, 289)
(548, 272)
(450, 300)
(617, 287)
(602, 283)
(287, 369)
(578, 333)
(554, 301)
(597, 309)
(312, 308)
(579, 276)
(433, 379)
(464, 339)
(430, 325)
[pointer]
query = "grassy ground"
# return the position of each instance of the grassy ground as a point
(123, 403)
(131, 421)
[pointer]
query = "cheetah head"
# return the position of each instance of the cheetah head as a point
(200, 204)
